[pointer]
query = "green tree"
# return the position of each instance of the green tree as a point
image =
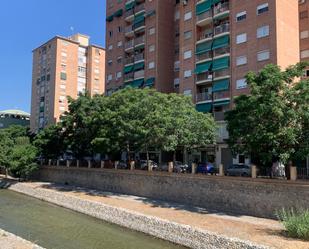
(267, 124)
(50, 142)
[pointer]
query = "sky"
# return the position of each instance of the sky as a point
(25, 25)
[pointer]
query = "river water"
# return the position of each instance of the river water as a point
(54, 227)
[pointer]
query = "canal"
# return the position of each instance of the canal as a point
(54, 227)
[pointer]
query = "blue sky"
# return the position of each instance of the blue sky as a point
(25, 24)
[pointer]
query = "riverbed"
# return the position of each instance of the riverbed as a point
(54, 227)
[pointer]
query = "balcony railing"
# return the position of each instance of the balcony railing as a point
(203, 77)
(129, 76)
(221, 8)
(129, 60)
(128, 29)
(222, 28)
(129, 13)
(222, 73)
(138, 25)
(221, 51)
(219, 116)
(139, 57)
(139, 74)
(139, 40)
(204, 15)
(203, 97)
(221, 95)
(129, 44)
(205, 34)
(139, 8)
(204, 56)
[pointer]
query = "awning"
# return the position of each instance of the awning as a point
(110, 18)
(130, 5)
(128, 69)
(203, 7)
(139, 18)
(203, 47)
(205, 107)
(221, 63)
(118, 13)
(137, 83)
(150, 81)
(221, 16)
(221, 85)
(215, 1)
(203, 67)
(221, 103)
(139, 66)
(221, 42)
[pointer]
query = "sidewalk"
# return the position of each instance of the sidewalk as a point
(260, 231)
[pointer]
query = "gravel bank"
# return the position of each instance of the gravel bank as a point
(11, 241)
(160, 228)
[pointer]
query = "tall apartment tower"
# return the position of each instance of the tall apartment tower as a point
(64, 67)
(202, 49)
(304, 31)
(140, 37)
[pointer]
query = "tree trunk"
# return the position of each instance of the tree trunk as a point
(147, 155)
(174, 157)
(128, 153)
(6, 172)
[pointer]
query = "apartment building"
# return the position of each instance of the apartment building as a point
(64, 67)
(304, 31)
(205, 48)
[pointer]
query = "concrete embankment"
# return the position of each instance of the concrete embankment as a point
(161, 228)
(11, 241)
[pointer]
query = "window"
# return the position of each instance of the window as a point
(187, 34)
(152, 31)
(118, 75)
(241, 83)
(241, 60)
(187, 54)
(151, 65)
(63, 54)
(188, 16)
(241, 38)
(263, 55)
(119, 44)
(110, 47)
(63, 76)
(262, 31)
(151, 48)
(187, 92)
(109, 77)
(262, 8)
(304, 34)
(303, 14)
(241, 16)
(187, 73)
(176, 82)
(177, 15)
(304, 54)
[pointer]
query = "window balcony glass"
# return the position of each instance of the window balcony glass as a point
(205, 96)
(223, 28)
(203, 77)
(220, 8)
(222, 95)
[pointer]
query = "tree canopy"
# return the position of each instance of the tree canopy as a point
(271, 123)
(129, 120)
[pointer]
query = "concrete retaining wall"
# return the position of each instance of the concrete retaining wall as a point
(259, 198)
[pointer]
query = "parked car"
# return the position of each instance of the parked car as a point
(143, 165)
(239, 170)
(122, 165)
(180, 167)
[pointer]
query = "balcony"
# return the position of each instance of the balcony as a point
(139, 26)
(200, 97)
(222, 73)
(221, 95)
(139, 8)
(139, 74)
(139, 57)
(221, 51)
(129, 14)
(207, 34)
(129, 76)
(219, 9)
(203, 77)
(223, 28)
(204, 18)
(139, 40)
(204, 56)
(129, 31)
(129, 45)
(129, 60)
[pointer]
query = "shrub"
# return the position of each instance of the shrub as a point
(296, 222)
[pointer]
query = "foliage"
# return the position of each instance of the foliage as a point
(128, 120)
(295, 222)
(272, 122)
(16, 152)
(50, 142)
